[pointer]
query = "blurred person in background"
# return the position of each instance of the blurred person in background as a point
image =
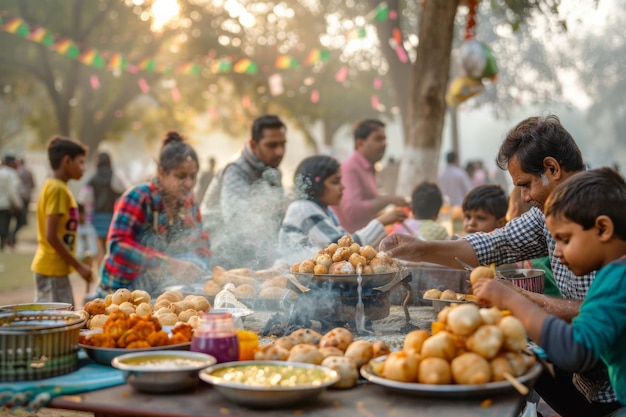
(453, 180)
(26, 187)
(426, 202)
(245, 203)
(310, 225)
(10, 201)
(99, 196)
(205, 179)
(361, 202)
(156, 237)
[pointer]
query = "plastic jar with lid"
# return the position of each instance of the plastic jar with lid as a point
(216, 335)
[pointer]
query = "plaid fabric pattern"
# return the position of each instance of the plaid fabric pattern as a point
(527, 237)
(141, 236)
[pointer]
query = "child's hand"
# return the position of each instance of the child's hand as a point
(391, 217)
(492, 292)
(85, 271)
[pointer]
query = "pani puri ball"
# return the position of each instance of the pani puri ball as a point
(481, 272)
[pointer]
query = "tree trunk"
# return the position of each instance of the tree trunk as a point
(428, 86)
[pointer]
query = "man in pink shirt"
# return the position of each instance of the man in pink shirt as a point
(361, 202)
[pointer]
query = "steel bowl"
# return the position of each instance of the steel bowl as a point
(162, 371)
(38, 307)
(439, 304)
(369, 280)
(268, 395)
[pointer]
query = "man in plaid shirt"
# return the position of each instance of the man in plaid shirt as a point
(539, 154)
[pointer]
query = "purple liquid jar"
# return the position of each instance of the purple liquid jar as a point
(217, 337)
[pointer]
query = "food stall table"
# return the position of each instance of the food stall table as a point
(365, 400)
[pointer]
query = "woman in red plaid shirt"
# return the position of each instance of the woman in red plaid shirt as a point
(156, 236)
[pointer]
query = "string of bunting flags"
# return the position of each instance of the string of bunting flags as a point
(114, 61)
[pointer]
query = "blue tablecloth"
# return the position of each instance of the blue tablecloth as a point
(33, 395)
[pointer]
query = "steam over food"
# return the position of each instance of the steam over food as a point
(345, 258)
(463, 349)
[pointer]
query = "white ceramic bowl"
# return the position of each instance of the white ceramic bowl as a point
(270, 395)
(164, 370)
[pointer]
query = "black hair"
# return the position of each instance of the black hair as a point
(364, 128)
(537, 138)
(60, 147)
(81, 208)
(268, 121)
(426, 200)
(175, 151)
(488, 197)
(103, 160)
(585, 196)
(311, 173)
(451, 157)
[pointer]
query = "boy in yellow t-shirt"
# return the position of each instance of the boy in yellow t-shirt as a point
(57, 223)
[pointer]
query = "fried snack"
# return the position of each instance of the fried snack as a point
(346, 368)
(139, 296)
(330, 351)
(337, 337)
(514, 333)
(184, 316)
(448, 295)
(143, 309)
(271, 293)
(245, 291)
(199, 302)
(271, 352)
(305, 353)
(342, 268)
(127, 307)
(361, 351)
(368, 252)
(434, 371)
(470, 368)
(486, 341)
(306, 267)
(441, 345)
(308, 336)
(414, 340)
(380, 348)
(401, 366)
(345, 241)
(287, 342)
(464, 319)
(433, 293)
(481, 272)
(211, 287)
(120, 295)
(96, 306)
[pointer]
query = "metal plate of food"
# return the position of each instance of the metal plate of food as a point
(369, 280)
(268, 384)
(451, 391)
(439, 304)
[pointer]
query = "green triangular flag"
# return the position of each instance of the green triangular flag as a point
(382, 12)
(73, 51)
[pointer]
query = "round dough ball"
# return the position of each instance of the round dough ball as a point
(401, 366)
(356, 259)
(342, 268)
(161, 311)
(167, 319)
(486, 341)
(441, 345)
(172, 295)
(120, 295)
(448, 295)
(271, 352)
(194, 322)
(186, 315)
(127, 307)
(345, 241)
(330, 249)
(368, 252)
(361, 351)
(306, 267)
(490, 315)
(515, 337)
(499, 367)
(433, 293)
(96, 306)
(306, 354)
(464, 319)
(320, 269)
(308, 336)
(337, 337)
(211, 287)
(341, 254)
(287, 342)
(481, 272)
(414, 340)
(355, 248)
(470, 368)
(368, 270)
(330, 351)
(434, 371)
(323, 259)
(200, 303)
(295, 267)
(345, 368)
(380, 348)
(111, 308)
(140, 296)
(108, 300)
(442, 316)
(97, 321)
(245, 291)
(143, 309)
(162, 303)
(180, 306)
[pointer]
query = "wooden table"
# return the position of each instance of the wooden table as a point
(367, 400)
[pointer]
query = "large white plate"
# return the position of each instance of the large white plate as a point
(451, 390)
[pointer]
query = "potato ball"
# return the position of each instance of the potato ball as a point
(306, 267)
(414, 340)
(306, 354)
(346, 368)
(434, 371)
(345, 241)
(143, 309)
(320, 269)
(337, 337)
(441, 345)
(324, 259)
(121, 295)
(361, 351)
(433, 293)
(401, 366)
(368, 252)
(470, 368)
(96, 306)
(514, 333)
(486, 341)
(139, 296)
(481, 272)
(464, 319)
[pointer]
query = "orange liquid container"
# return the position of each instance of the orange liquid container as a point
(248, 344)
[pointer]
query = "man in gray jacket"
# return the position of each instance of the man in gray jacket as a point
(245, 203)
